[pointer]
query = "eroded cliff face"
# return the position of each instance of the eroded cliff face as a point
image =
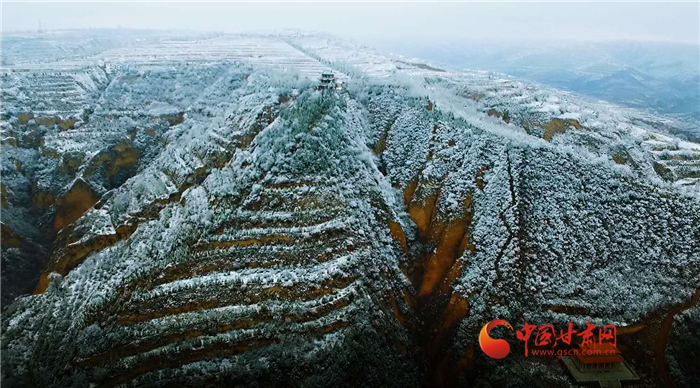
(274, 245)
(57, 166)
(525, 233)
(276, 235)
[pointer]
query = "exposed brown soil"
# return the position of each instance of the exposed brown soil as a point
(440, 240)
(23, 118)
(3, 195)
(662, 171)
(74, 204)
(496, 113)
(69, 255)
(174, 119)
(165, 306)
(218, 350)
(9, 141)
(421, 211)
(9, 238)
(479, 180)
(410, 190)
(559, 126)
(41, 199)
(244, 224)
(265, 118)
(398, 234)
(262, 240)
(117, 159)
(134, 348)
(48, 121)
(444, 256)
(71, 164)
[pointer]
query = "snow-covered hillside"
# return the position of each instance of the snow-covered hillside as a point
(659, 76)
(194, 211)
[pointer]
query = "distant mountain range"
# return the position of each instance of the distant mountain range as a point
(663, 77)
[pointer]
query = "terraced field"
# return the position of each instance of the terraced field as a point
(212, 218)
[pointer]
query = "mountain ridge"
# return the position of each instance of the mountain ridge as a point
(274, 234)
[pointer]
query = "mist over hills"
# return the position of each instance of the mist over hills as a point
(663, 77)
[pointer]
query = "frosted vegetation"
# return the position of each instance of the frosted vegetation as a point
(243, 226)
(656, 76)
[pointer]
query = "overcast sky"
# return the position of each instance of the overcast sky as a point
(384, 23)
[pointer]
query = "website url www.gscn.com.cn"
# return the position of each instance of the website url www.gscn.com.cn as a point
(572, 352)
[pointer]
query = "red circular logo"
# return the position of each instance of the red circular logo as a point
(494, 348)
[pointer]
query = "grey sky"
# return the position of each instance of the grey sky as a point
(384, 22)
